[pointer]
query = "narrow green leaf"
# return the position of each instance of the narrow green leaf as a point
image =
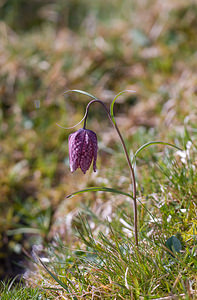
(152, 144)
(113, 102)
(24, 230)
(54, 276)
(81, 92)
(109, 190)
(100, 189)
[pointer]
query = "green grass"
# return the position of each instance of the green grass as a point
(105, 263)
(19, 291)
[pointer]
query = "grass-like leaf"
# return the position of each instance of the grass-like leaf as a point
(23, 230)
(152, 143)
(113, 102)
(99, 189)
(65, 287)
(81, 92)
(109, 190)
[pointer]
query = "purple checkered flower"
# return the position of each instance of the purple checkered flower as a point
(82, 150)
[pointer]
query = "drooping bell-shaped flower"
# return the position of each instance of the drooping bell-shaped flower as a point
(82, 150)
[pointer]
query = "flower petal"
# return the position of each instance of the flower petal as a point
(86, 154)
(95, 147)
(75, 145)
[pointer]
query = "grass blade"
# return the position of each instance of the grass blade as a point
(152, 144)
(99, 189)
(113, 102)
(81, 92)
(65, 287)
(109, 190)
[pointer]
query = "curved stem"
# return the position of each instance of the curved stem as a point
(128, 161)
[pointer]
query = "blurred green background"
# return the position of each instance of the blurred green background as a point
(103, 47)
